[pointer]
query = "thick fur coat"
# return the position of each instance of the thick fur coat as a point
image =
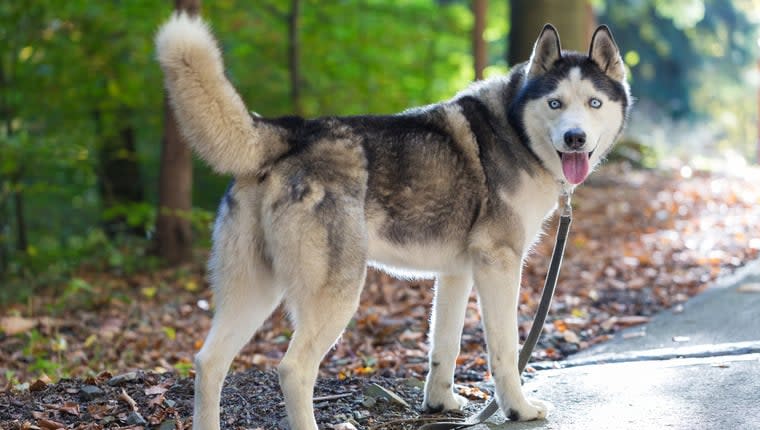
(458, 190)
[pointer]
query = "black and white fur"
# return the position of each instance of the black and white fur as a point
(458, 190)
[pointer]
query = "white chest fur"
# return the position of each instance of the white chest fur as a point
(533, 201)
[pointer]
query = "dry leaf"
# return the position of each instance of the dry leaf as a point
(627, 320)
(38, 385)
(98, 411)
(632, 334)
(68, 407)
(156, 401)
(14, 325)
(50, 424)
(156, 389)
(570, 337)
(752, 287)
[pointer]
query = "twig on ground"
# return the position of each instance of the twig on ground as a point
(128, 400)
(406, 421)
(323, 398)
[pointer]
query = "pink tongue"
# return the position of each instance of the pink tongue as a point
(575, 166)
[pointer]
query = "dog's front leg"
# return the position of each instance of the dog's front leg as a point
(497, 278)
(449, 307)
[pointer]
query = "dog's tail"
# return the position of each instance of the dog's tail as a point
(210, 114)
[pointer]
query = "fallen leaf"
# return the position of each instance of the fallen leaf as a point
(628, 320)
(570, 337)
(90, 340)
(633, 334)
(70, 408)
(156, 401)
(609, 323)
(39, 385)
(156, 389)
(99, 410)
(50, 424)
(14, 325)
(753, 287)
(473, 393)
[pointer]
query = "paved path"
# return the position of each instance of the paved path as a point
(708, 379)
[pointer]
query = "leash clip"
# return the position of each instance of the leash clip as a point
(567, 207)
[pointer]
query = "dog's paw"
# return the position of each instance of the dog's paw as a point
(533, 410)
(448, 401)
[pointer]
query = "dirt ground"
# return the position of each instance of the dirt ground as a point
(641, 242)
(250, 400)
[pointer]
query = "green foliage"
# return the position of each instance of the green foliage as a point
(692, 61)
(74, 74)
(136, 214)
(183, 368)
(37, 348)
(635, 153)
(357, 57)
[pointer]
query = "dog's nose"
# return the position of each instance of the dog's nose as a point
(575, 138)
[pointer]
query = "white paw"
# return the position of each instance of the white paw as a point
(533, 409)
(444, 401)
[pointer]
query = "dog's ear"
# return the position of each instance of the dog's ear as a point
(546, 51)
(605, 53)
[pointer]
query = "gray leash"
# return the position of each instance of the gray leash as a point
(535, 330)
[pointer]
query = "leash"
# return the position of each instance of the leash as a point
(550, 284)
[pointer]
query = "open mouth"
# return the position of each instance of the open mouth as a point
(575, 165)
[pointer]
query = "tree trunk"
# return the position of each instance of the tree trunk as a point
(571, 17)
(479, 47)
(192, 7)
(173, 229)
(294, 56)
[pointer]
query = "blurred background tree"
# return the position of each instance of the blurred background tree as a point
(174, 237)
(574, 19)
(81, 99)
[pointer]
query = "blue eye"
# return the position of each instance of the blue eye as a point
(595, 103)
(555, 104)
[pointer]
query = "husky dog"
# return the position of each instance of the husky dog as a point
(458, 189)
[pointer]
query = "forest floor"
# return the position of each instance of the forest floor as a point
(641, 242)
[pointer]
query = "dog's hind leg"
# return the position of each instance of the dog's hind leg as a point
(450, 304)
(319, 321)
(330, 247)
(245, 295)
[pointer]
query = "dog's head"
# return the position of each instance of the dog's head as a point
(572, 106)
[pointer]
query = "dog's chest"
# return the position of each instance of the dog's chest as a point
(532, 201)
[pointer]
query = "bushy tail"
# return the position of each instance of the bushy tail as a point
(211, 115)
